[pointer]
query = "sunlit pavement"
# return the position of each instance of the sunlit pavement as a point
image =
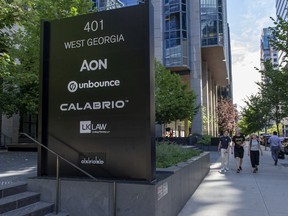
(264, 193)
(17, 166)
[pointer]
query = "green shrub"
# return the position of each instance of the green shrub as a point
(206, 140)
(169, 154)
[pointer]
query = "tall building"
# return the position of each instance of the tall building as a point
(281, 11)
(196, 45)
(113, 4)
(267, 51)
(107, 4)
(281, 8)
(216, 57)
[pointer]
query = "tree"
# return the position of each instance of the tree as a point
(280, 36)
(255, 116)
(173, 99)
(20, 81)
(273, 91)
(226, 114)
(9, 15)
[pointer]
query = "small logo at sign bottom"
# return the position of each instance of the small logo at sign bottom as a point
(96, 158)
(89, 127)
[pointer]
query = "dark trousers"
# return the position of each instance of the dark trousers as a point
(275, 152)
(254, 158)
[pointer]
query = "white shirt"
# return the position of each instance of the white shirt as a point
(254, 145)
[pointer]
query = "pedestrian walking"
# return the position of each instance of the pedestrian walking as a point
(238, 141)
(223, 149)
(254, 151)
(275, 146)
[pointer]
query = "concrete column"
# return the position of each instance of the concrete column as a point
(195, 61)
(158, 29)
(10, 130)
(211, 104)
(205, 92)
(215, 104)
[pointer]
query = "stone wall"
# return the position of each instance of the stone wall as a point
(166, 196)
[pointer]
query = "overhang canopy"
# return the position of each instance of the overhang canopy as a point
(216, 62)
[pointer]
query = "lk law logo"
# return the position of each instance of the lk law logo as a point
(89, 127)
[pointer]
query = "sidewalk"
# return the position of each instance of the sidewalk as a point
(264, 193)
(17, 166)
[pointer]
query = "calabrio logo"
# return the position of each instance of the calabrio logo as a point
(73, 86)
(96, 105)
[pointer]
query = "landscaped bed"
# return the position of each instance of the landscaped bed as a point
(170, 154)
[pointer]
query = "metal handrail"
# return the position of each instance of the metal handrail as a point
(57, 204)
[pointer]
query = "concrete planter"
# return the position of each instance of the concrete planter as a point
(207, 147)
(164, 197)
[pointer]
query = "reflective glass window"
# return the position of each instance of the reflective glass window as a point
(175, 33)
(212, 28)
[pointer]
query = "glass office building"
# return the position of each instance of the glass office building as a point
(212, 22)
(113, 4)
(281, 8)
(281, 11)
(268, 52)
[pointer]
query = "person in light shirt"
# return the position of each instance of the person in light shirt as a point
(275, 146)
(254, 150)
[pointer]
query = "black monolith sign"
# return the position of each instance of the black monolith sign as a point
(97, 94)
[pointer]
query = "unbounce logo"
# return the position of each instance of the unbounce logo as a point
(88, 127)
(73, 86)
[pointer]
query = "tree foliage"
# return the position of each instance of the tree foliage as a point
(269, 104)
(280, 36)
(9, 15)
(227, 114)
(173, 99)
(255, 116)
(20, 76)
(273, 91)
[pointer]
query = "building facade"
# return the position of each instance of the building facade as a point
(281, 8)
(192, 39)
(281, 11)
(267, 51)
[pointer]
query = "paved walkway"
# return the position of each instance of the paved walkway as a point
(17, 166)
(242, 194)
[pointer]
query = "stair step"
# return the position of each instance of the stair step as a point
(36, 209)
(18, 200)
(11, 189)
(59, 214)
